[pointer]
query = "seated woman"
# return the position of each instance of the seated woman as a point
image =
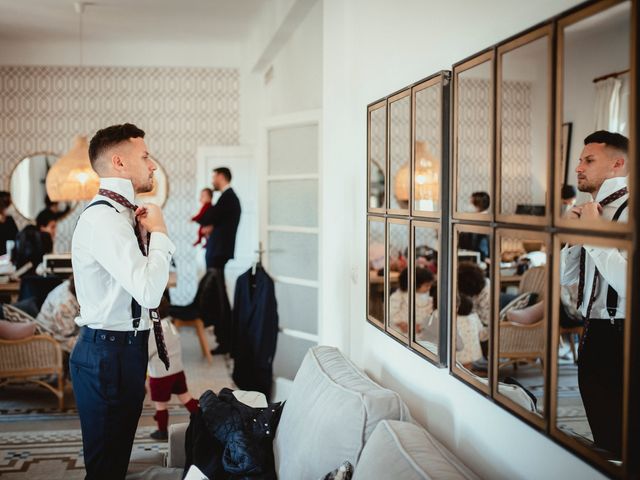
(470, 331)
(399, 300)
(58, 313)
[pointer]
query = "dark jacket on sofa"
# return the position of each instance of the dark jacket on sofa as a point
(227, 439)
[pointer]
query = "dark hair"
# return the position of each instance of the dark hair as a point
(481, 200)
(45, 217)
(615, 140)
(465, 305)
(567, 192)
(48, 202)
(5, 200)
(224, 171)
(471, 278)
(423, 275)
(209, 191)
(403, 279)
(111, 136)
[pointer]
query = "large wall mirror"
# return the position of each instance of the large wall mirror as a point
(473, 138)
(377, 157)
(521, 323)
(376, 250)
(400, 152)
(427, 147)
(588, 371)
(523, 128)
(398, 279)
(28, 190)
(594, 91)
(471, 305)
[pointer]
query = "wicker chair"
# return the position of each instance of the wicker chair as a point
(30, 358)
(521, 343)
(534, 280)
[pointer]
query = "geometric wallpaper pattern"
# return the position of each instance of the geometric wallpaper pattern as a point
(399, 147)
(45, 107)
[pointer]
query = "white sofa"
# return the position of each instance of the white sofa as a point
(335, 413)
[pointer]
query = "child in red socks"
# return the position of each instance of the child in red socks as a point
(163, 382)
(206, 196)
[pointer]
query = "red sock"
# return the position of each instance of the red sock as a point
(162, 417)
(192, 405)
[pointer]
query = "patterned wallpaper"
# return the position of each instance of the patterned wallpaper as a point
(43, 108)
(399, 147)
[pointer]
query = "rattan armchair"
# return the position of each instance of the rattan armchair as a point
(30, 359)
(521, 343)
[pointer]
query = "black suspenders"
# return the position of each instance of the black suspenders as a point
(612, 295)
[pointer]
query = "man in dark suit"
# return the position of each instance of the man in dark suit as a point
(221, 223)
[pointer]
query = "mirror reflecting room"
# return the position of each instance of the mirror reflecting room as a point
(375, 279)
(427, 146)
(426, 320)
(400, 152)
(377, 147)
(471, 304)
(594, 61)
(524, 122)
(398, 278)
(28, 185)
(589, 354)
(473, 133)
(521, 330)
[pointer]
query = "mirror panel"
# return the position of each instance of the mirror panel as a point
(521, 322)
(377, 154)
(588, 359)
(473, 134)
(400, 152)
(427, 165)
(376, 271)
(426, 319)
(524, 123)
(594, 92)
(398, 278)
(471, 305)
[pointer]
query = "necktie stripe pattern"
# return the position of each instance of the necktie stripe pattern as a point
(583, 257)
(155, 317)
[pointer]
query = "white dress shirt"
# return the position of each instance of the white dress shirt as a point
(610, 262)
(109, 267)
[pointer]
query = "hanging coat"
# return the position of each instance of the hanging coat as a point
(255, 331)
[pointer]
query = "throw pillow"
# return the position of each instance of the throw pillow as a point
(16, 331)
(343, 472)
(15, 315)
(521, 301)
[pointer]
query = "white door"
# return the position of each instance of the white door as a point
(290, 227)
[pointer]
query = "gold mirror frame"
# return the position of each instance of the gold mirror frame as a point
(370, 109)
(390, 181)
(371, 319)
(387, 277)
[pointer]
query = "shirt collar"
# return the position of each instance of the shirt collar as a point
(123, 186)
(611, 185)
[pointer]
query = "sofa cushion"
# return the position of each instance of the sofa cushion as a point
(331, 412)
(16, 331)
(405, 451)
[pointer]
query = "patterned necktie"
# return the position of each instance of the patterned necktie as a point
(583, 257)
(153, 313)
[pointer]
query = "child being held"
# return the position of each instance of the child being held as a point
(206, 196)
(163, 382)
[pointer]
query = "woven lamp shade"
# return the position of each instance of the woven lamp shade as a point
(71, 178)
(427, 175)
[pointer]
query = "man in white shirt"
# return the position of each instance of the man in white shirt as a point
(600, 274)
(117, 285)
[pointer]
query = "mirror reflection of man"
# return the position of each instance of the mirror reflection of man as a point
(600, 274)
(220, 223)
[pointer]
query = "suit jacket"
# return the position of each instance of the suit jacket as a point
(225, 217)
(255, 331)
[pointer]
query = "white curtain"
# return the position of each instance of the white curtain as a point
(608, 106)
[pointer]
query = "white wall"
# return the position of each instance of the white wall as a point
(372, 48)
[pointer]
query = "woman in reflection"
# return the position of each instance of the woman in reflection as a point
(399, 300)
(8, 227)
(473, 283)
(470, 333)
(477, 242)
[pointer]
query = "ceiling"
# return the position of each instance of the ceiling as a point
(129, 20)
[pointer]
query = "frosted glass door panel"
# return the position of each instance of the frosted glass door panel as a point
(289, 355)
(293, 150)
(293, 203)
(298, 307)
(294, 255)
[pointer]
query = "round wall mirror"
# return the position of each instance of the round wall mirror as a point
(28, 191)
(160, 191)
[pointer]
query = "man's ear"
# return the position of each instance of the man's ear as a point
(116, 162)
(620, 164)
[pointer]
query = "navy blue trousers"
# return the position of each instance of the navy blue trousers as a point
(108, 371)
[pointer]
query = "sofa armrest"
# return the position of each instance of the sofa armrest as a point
(176, 455)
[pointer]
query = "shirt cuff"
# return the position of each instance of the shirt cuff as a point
(160, 241)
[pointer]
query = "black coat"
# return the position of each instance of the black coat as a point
(255, 331)
(227, 439)
(225, 217)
